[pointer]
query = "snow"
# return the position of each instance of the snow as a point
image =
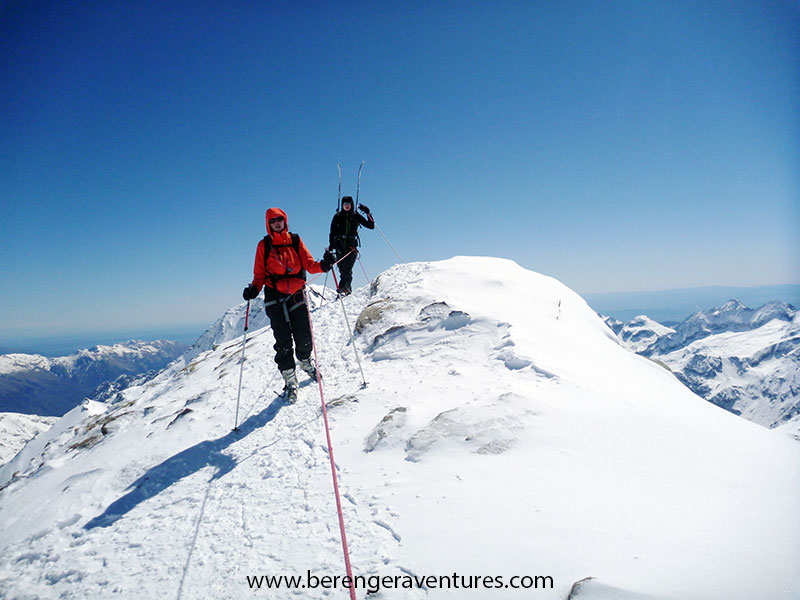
(17, 429)
(12, 363)
(640, 333)
(728, 344)
(791, 427)
(730, 317)
(503, 431)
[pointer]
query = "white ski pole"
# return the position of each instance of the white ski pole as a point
(352, 339)
(241, 368)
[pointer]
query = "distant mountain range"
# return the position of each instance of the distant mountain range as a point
(744, 360)
(671, 306)
(35, 384)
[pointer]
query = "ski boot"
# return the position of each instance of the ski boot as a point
(307, 364)
(290, 389)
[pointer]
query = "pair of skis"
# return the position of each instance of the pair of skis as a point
(358, 187)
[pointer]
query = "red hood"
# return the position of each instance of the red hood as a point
(274, 213)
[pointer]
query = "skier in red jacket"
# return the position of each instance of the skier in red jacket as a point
(282, 260)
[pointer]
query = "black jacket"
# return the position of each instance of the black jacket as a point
(344, 229)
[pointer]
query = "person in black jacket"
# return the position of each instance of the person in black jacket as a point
(344, 240)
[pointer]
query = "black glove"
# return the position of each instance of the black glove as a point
(250, 292)
(363, 208)
(327, 261)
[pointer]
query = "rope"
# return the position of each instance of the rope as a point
(364, 270)
(347, 566)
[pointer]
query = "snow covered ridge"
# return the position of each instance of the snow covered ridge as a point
(504, 432)
(33, 384)
(741, 359)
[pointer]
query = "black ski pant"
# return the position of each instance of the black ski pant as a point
(288, 317)
(346, 269)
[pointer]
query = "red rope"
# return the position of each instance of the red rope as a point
(347, 566)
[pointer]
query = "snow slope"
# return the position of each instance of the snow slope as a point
(16, 429)
(504, 431)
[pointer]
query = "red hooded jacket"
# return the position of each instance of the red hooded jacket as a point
(282, 259)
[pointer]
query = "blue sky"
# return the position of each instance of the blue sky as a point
(625, 146)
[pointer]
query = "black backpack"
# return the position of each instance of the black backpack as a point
(345, 232)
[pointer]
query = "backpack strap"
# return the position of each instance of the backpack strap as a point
(267, 250)
(296, 246)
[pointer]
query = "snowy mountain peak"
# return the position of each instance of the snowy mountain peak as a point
(777, 309)
(730, 306)
(639, 333)
(501, 414)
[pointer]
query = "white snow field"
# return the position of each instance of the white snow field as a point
(503, 433)
(17, 429)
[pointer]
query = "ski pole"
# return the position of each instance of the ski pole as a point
(352, 339)
(324, 286)
(241, 368)
(390, 244)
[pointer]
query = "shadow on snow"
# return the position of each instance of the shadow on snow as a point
(185, 463)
